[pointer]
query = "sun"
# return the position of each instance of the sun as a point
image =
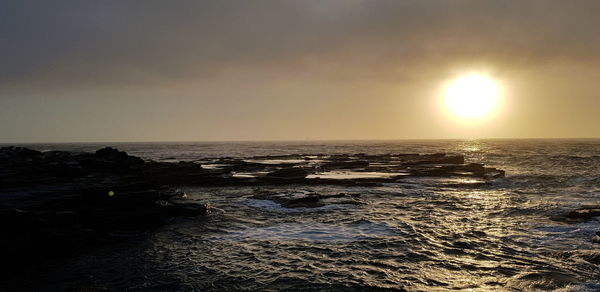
(472, 96)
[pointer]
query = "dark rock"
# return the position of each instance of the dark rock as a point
(109, 153)
(23, 167)
(548, 280)
(375, 158)
(476, 168)
(289, 173)
(438, 158)
(308, 201)
(344, 164)
(340, 195)
(290, 200)
(339, 157)
(581, 214)
(458, 159)
(187, 208)
(161, 173)
(65, 200)
(585, 212)
(449, 170)
(280, 157)
(435, 171)
(341, 198)
(492, 173)
(20, 154)
(110, 159)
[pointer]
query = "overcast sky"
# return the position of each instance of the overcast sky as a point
(288, 70)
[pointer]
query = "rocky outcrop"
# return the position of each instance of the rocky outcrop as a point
(21, 166)
(308, 199)
(52, 201)
(59, 197)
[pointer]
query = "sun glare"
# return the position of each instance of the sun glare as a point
(472, 96)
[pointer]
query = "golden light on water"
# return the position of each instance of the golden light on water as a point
(472, 96)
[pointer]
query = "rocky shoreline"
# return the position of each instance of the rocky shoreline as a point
(58, 200)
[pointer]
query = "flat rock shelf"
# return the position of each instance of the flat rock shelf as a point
(69, 199)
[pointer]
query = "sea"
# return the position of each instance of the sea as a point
(414, 235)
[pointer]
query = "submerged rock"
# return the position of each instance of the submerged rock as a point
(585, 212)
(340, 195)
(492, 173)
(290, 200)
(188, 208)
(548, 280)
(307, 199)
(581, 214)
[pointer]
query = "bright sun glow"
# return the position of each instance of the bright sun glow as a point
(472, 96)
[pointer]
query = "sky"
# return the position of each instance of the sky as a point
(89, 71)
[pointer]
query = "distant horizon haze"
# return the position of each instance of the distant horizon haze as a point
(305, 140)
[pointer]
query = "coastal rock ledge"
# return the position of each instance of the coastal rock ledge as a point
(57, 200)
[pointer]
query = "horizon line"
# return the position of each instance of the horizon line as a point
(302, 140)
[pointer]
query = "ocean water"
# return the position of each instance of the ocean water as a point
(418, 234)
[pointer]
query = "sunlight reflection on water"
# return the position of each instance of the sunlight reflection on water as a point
(466, 239)
(311, 232)
(420, 234)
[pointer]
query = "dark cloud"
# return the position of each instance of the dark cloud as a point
(111, 43)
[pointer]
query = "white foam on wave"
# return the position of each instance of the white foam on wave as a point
(569, 235)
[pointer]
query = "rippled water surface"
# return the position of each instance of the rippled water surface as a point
(418, 234)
